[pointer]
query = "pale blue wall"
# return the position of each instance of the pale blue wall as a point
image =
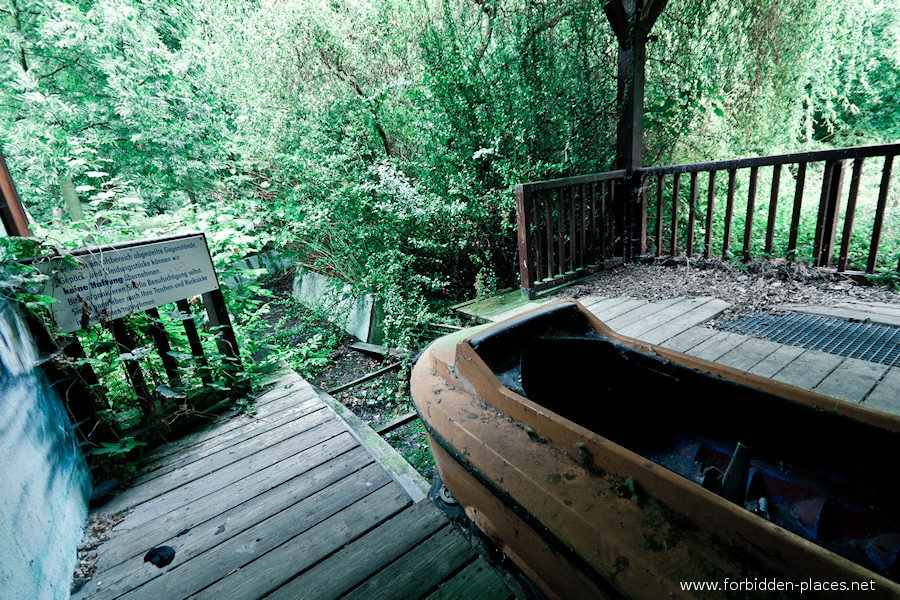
(44, 481)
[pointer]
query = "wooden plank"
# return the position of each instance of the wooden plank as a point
(364, 489)
(551, 260)
(573, 233)
(795, 215)
(540, 271)
(688, 338)
(286, 392)
(717, 345)
(880, 207)
(526, 248)
(226, 440)
(885, 314)
(692, 215)
(852, 380)
(748, 354)
(418, 571)
(204, 523)
(808, 369)
(710, 205)
(190, 330)
(645, 311)
(591, 300)
(850, 214)
(403, 473)
(246, 579)
(220, 324)
(478, 581)
(773, 209)
(310, 470)
(199, 482)
(560, 233)
(776, 361)
(659, 213)
(729, 212)
(886, 395)
(751, 206)
(605, 312)
(667, 314)
(377, 373)
(697, 315)
(523, 308)
(673, 241)
(161, 339)
(12, 211)
(126, 345)
(208, 462)
(364, 557)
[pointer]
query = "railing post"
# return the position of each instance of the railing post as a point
(635, 229)
(829, 205)
(220, 321)
(879, 213)
(660, 183)
(125, 344)
(851, 213)
(773, 209)
(642, 208)
(710, 205)
(795, 214)
(676, 189)
(526, 258)
(692, 215)
(751, 207)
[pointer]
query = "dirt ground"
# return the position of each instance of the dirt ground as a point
(757, 286)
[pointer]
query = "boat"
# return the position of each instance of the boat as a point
(601, 466)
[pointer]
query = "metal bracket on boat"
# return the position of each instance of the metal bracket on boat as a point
(734, 483)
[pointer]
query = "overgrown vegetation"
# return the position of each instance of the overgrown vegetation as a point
(378, 141)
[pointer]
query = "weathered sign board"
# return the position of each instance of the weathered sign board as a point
(111, 282)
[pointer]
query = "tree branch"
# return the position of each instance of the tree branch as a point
(341, 74)
(60, 68)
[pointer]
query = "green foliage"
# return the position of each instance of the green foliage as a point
(379, 141)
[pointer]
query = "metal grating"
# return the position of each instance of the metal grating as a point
(855, 339)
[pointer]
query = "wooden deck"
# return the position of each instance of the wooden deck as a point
(678, 324)
(284, 503)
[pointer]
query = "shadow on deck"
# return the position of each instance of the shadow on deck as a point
(284, 503)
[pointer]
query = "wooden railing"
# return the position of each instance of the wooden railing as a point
(551, 255)
(567, 227)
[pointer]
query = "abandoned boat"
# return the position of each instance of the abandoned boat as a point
(604, 467)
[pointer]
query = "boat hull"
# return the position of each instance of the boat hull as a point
(584, 516)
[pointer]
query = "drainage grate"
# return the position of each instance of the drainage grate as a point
(865, 341)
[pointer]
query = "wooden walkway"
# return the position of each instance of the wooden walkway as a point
(678, 324)
(284, 504)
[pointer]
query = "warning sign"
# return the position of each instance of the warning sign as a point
(114, 281)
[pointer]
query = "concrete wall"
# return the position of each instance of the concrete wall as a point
(359, 315)
(45, 486)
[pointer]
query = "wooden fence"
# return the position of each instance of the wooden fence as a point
(567, 227)
(553, 249)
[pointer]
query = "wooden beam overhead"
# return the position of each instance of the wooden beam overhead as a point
(11, 210)
(618, 17)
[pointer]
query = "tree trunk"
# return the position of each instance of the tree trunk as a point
(70, 197)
